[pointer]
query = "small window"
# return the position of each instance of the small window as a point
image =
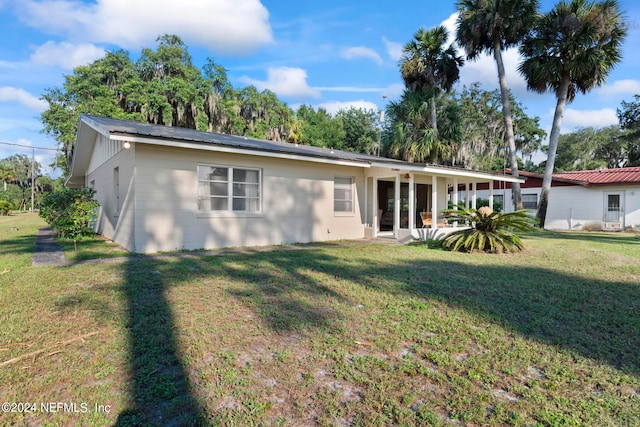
(530, 201)
(343, 195)
(222, 188)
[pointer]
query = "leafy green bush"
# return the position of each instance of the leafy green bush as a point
(5, 207)
(69, 211)
(490, 231)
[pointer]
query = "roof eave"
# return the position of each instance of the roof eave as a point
(441, 170)
(201, 145)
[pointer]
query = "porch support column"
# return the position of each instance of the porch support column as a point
(455, 197)
(491, 194)
(396, 208)
(474, 197)
(434, 201)
(374, 210)
(466, 195)
(412, 205)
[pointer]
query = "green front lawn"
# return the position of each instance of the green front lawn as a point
(335, 334)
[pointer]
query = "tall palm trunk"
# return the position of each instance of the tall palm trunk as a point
(562, 93)
(434, 119)
(508, 123)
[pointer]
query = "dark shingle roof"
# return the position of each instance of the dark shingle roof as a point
(116, 126)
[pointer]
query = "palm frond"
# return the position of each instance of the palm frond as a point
(489, 231)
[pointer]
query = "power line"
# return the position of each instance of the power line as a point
(30, 146)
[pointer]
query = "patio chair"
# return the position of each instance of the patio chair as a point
(426, 218)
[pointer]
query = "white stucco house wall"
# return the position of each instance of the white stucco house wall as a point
(164, 188)
(600, 199)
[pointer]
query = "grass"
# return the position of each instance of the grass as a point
(86, 248)
(332, 334)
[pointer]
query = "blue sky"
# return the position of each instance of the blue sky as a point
(332, 54)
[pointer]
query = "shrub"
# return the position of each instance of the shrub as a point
(480, 202)
(5, 207)
(69, 211)
(489, 231)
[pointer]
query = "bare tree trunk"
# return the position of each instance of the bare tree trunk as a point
(563, 90)
(508, 124)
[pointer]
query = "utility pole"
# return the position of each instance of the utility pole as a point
(33, 175)
(381, 124)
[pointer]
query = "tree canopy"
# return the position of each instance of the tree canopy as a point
(18, 178)
(471, 131)
(162, 87)
(629, 147)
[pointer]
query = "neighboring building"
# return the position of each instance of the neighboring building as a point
(165, 188)
(601, 199)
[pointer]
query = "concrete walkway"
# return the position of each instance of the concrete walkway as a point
(47, 250)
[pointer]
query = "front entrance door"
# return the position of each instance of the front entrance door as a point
(614, 210)
(386, 204)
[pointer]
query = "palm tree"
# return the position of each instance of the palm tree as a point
(489, 231)
(492, 26)
(428, 66)
(412, 137)
(7, 173)
(572, 48)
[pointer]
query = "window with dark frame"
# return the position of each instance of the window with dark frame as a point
(530, 201)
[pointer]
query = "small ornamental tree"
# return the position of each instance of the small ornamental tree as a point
(489, 231)
(69, 211)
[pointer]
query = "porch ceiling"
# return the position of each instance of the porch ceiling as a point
(382, 169)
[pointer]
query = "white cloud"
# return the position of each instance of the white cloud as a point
(66, 55)
(573, 119)
(285, 81)
(450, 25)
(9, 65)
(12, 94)
(485, 71)
(224, 26)
(619, 87)
(393, 91)
(22, 147)
(349, 89)
(394, 50)
(333, 107)
(361, 52)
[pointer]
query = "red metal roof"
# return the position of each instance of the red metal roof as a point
(630, 175)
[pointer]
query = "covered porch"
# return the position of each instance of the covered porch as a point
(399, 200)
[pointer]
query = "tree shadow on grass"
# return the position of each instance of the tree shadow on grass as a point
(293, 290)
(17, 245)
(159, 388)
(273, 283)
(596, 319)
(279, 285)
(597, 236)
